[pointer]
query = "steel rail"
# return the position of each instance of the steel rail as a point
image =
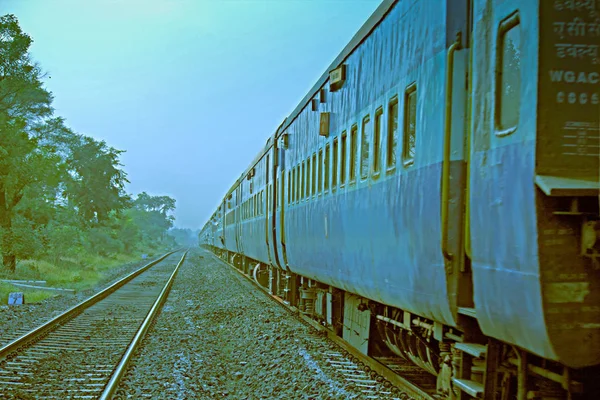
(31, 336)
(396, 380)
(120, 370)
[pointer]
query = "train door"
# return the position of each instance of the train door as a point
(267, 207)
(454, 161)
(274, 207)
(239, 221)
(280, 215)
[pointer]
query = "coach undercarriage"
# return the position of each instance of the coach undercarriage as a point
(465, 362)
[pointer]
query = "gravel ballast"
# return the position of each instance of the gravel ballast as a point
(18, 320)
(219, 336)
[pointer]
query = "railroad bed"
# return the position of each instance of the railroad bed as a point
(77, 358)
(16, 321)
(219, 336)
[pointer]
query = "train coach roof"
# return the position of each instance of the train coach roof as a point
(356, 40)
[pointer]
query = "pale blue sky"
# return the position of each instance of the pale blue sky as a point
(191, 89)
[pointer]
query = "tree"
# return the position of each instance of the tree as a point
(150, 214)
(96, 184)
(25, 161)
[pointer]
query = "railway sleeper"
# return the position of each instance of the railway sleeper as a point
(461, 362)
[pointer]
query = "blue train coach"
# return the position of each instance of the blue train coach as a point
(436, 192)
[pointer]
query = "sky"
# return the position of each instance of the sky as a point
(190, 89)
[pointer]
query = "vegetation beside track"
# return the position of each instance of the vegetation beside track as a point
(71, 273)
(65, 216)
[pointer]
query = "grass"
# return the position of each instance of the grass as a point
(79, 273)
(31, 295)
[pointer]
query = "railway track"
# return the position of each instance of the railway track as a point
(360, 370)
(83, 352)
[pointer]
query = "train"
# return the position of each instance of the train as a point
(436, 193)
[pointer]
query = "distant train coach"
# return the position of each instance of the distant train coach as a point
(436, 195)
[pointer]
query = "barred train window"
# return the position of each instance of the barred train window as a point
(298, 183)
(353, 138)
(334, 167)
(508, 79)
(314, 174)
(302, 180)
(343, 159)
(377, 141)
(292, 184)
(289, 185)
(364, 147)
(409, 139)
(319, 173)
(392, 133)
(308, 177)
(326, 165)
(307, 181)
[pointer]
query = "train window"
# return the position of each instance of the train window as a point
(508, 79)
(302, 180)
(353, 146)
(278, 198)
(293, 183)
(281, 189)
(377, 141)
(307, 180)
(410, 125)
(392, 133)
(319, 172)
(308, 177)
(326, 167)
(298, 183)
(364, 147)
(289, 187)
(343, 159)
(334, 167)
(313, 181)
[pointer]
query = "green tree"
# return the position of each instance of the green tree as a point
(25, 159)
(151, 215)
(96, 184)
